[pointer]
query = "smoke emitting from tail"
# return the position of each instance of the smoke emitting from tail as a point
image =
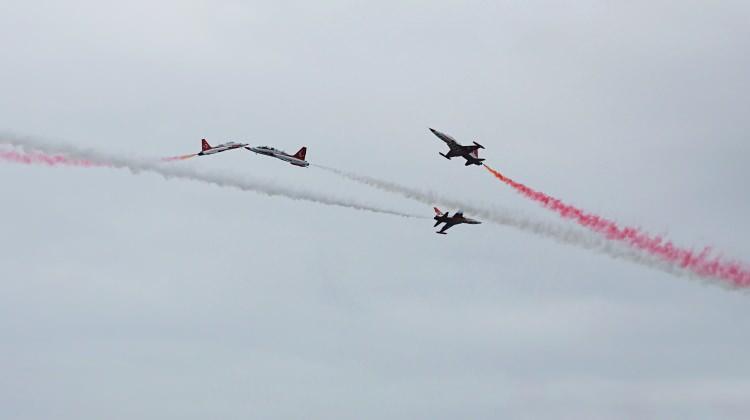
(184, 157)
(611, 239)
(504, 217)
(40, 152)
(700, 263)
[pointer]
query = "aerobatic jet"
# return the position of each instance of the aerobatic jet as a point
(210, 150)
(297, 159)
(450, 221)
(470, 153)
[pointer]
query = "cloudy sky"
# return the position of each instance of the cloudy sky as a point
(127, 296)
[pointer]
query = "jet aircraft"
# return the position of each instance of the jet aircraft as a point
(210, 150)
(470, 153)
(297, 159)
(450, 221)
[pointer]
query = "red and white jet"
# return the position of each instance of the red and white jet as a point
(210, 150)
(451, 221)
(297, 159)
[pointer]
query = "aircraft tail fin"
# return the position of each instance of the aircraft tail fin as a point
(437, 211)
(473, 158)
(301, 153)
(474, 162)
(205, 145)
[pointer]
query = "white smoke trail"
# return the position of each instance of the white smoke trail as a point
(168, 171)
(557, 232)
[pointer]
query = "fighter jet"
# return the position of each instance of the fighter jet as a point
(297, 159)
(451, 221)
(470, 153)
(210, 150)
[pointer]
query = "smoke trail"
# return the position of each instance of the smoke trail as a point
(43, 159)
(700, 263)
(499, 216)
(87, 158)
(184, 157)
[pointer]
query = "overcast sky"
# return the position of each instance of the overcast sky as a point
(127, 296)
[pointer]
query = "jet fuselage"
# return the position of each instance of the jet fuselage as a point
(296, 160)
(450, 221)
(468, 152)
(220, 148)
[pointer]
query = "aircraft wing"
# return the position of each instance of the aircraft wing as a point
(472, 150)
(446, 226)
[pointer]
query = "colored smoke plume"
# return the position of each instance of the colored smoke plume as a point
(700, 263)
(41, 152)
(29, 158)
(184, 157)
(504, 217)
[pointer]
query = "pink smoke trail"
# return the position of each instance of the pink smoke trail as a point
(700, 263)
(30, 158)
(173, 158)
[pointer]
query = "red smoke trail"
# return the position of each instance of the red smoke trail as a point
(700, 263)
(169, 159)
(29, 158)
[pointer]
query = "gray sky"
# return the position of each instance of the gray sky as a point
(127, 296)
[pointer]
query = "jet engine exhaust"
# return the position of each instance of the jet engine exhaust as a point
(183, 157)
